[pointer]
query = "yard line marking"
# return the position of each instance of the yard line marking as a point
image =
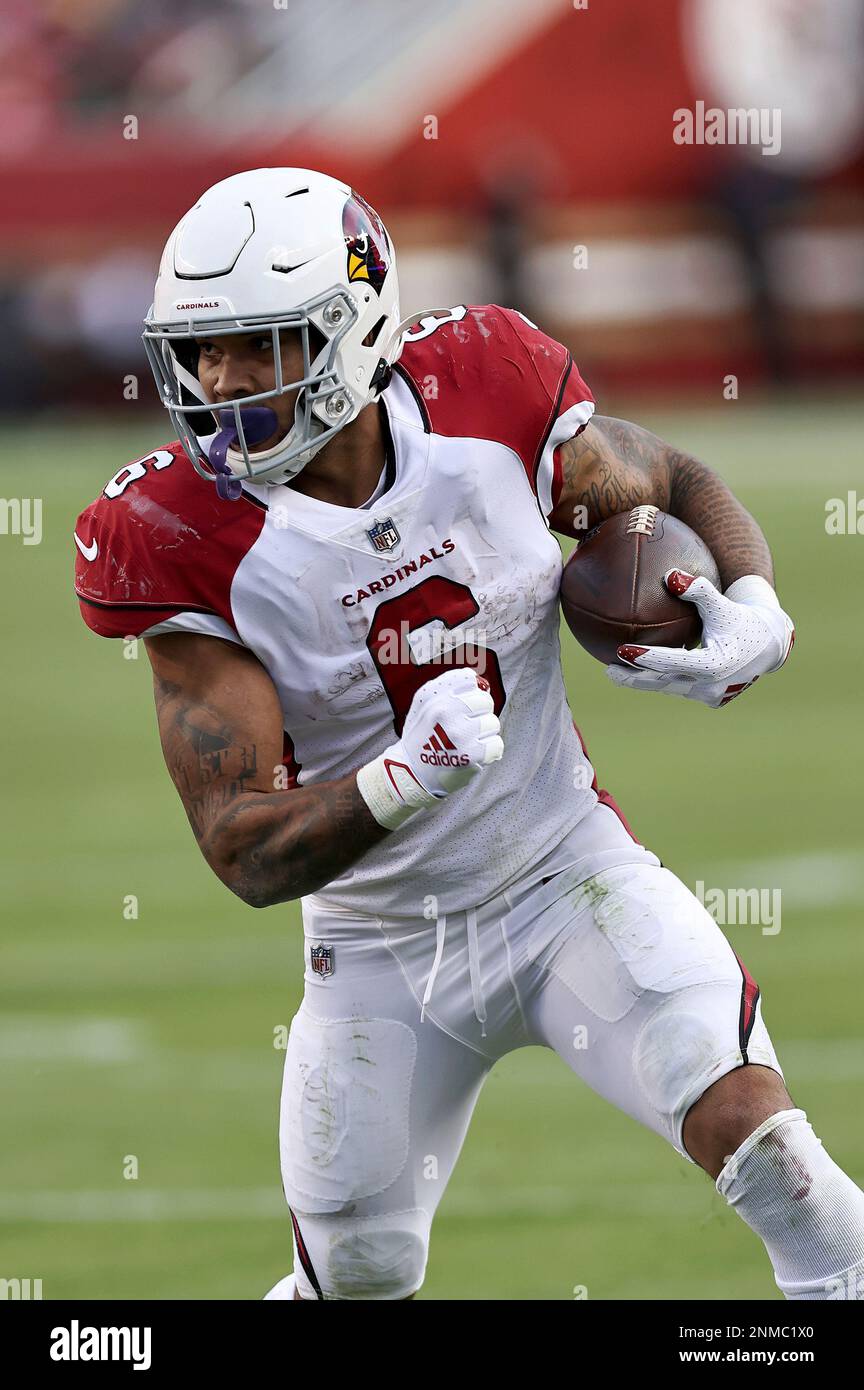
(153, 965)
(71, 1038)
(189, 1204)
(824, 878)
(268, 1204)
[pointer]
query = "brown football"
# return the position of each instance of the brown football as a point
(612, 588)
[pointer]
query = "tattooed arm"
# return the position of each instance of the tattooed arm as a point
(613, 466)
(220, 723)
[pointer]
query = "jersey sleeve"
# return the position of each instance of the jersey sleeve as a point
(568, 401)
(205, 624)
(497, 376)
(158, 549)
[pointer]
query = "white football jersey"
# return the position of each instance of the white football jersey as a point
(350, 610)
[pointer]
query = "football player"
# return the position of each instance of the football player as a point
(345, 573)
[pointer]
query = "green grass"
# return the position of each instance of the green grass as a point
(153, 1037)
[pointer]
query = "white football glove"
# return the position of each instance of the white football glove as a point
(451, 733)
(745, 635)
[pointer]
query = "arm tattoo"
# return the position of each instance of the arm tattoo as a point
(285, 844)
(701, 498)
(267, 846)
(613, 466)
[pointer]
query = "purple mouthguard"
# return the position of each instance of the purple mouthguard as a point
(259, 422)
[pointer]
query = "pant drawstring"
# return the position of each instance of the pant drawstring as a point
(440, 927)
(473, 967)
(474, 970)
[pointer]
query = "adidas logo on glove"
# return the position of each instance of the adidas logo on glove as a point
(427, 763)
(437, 753)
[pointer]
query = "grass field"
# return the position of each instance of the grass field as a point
(153, 1037)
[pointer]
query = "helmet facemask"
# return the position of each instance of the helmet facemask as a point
(323, 404)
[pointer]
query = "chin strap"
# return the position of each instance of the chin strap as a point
(259, 422)
(381, 377)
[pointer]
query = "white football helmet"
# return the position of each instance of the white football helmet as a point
(274, 249)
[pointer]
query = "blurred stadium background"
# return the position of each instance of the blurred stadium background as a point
(522, 154)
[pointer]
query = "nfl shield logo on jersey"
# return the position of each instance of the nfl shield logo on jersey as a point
(384, 534)
(322, 960)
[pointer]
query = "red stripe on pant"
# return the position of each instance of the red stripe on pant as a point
(606, 798)
(303, 1254)
(747, 1011)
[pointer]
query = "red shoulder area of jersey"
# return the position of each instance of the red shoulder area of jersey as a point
(491, 374)
(159, 540)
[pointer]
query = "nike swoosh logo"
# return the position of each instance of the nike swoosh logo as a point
(88, 551)
(287, 269)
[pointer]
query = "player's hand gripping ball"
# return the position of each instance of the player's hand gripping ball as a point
(640, 592)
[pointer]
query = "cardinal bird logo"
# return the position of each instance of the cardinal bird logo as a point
(366, 242)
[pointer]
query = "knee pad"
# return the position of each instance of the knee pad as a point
(340, 1256)
(692, 1039)
(346, 1094)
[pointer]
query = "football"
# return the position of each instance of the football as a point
(612, 588)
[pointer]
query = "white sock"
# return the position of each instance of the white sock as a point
(809, 1213)
(284, 1289)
